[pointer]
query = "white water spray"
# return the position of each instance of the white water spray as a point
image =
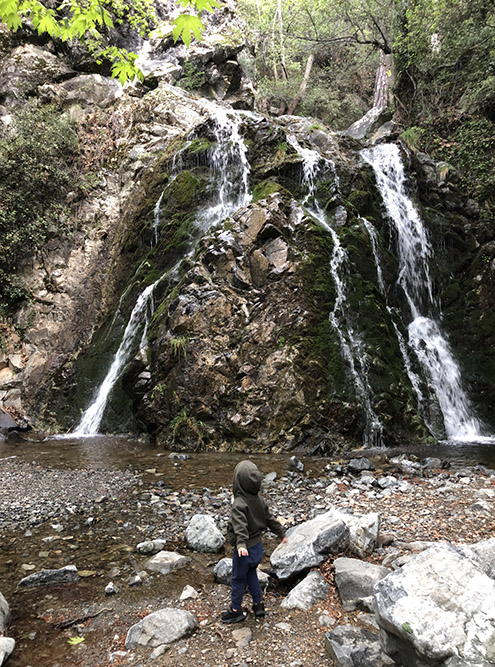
(415, 254)
(231, 170)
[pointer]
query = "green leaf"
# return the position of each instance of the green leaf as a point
(74, 641)
(407, 628)
(184, 25)
(206, 5)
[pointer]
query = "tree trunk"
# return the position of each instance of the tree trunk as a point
(383, 80)
(282, 46)
(304, 83)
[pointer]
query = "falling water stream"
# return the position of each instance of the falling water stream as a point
(230, 168)
(426, 339)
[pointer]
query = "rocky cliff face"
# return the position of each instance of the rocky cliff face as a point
(214, 216)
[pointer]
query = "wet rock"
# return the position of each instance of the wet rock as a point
(179, 457)
(64, 575)
(355, 580)
(295, 464)
(4, 612)
(309, 544)
(161, 627)
(350, 646)
(166, 561)
(357, 466)
(432, 462)
(7, 645)
(307, 592)
(438, 605)
(151, 546)
(202, 534)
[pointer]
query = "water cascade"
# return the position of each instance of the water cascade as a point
(230, 167)
(340, 317)
(415, 253)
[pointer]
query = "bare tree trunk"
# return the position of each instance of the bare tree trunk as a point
(383, 80)
(281, 36)
(258, 9)
(275, 70)
(304, 83)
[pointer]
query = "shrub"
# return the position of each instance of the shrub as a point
(37, 156)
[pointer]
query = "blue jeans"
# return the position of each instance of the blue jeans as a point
(244, 572)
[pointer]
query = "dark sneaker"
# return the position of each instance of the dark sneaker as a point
(259, 609)
(231, 616)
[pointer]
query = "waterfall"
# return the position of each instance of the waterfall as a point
(415, 254)
(230, 167)
(351, 343)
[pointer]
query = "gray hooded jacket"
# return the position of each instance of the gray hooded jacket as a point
(250, 515)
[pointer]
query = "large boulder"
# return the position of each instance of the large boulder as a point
(202, 534)
(64, 575)
(355, 580)
(363, 531)
(350, 646)
(86, 90)
(161, 627)
(27, 67)
(309, 544)
(438, 609)
(7, 645)
(4, 612)
(307, 592)
(371, 121)
(166, 561)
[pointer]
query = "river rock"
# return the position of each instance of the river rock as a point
(295, 464)
(438, 609)
(351, 646)
(359, 465)
(307, 592)
(166, 561)
(64, 575)
(202, 534)
(363, 530)
(151, 546)
(309, 544)
(7, 645)
(161, 627)
(4, 612)
(355, 580)
(222, 573)
(6, 421)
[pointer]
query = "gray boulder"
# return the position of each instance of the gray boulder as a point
(64, 575)
(355, 580)
(351, 646)
(4, 612)
(309, 544)
(371, 121)
(359, 465)
(438, 609)
(7, 645)
(307, 592)
(202, 534)
(363, 530)
(6, 420)
(86, 90)
(161, 627)
(166, 561)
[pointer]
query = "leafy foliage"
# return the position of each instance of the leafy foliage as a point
(91, 21)
(37, 169)
(445, 55)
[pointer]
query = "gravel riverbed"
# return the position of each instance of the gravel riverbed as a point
(95, 517)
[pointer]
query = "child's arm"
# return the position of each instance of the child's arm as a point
(238, 521)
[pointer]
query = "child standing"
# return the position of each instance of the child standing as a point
(249, 517)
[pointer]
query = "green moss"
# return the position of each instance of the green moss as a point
(264, 189)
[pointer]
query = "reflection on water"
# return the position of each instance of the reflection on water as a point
(212, 469)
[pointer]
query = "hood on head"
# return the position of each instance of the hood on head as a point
(247, 478)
